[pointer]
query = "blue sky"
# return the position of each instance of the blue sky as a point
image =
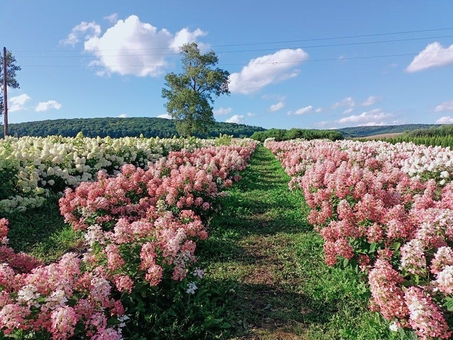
(304, 64)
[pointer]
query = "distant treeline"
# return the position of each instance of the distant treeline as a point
(364, 131)
(435, 135)
(120, 127)
(280, 134)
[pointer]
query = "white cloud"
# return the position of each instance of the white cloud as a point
(445, 120)
(222, 111)
(277, 106)
(301, 111)
(123, 115)
(184, 36)
(347, 102)
(319, 110)
(445, 106)
(236, 119)
(267, 69)
(165, 115)
(130, 47)
(18, 103)
(433, 55)
(90, 29)
(371, 100)
(348, 111)
(50, 104)
(112, 18)
(251, 114)
(372, 117)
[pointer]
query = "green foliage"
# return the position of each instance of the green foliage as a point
(189, 94)
(433, 136)
(167, 311)
(11, 80)
(223, 140)
(364, 131)
(281, 134)
(146, 127)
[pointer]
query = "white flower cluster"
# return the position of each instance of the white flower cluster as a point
(427, 162)
(33, 167)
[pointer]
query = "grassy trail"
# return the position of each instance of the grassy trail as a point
(265, 255)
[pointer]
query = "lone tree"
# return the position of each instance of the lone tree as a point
(190, 93)
(11, 68)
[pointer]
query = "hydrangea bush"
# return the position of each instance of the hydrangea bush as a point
(140, 230)
(388, 210)
(32, 168)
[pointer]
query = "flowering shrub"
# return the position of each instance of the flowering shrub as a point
(140, 229)
(386, 209)
(31, 168)
(59, 299)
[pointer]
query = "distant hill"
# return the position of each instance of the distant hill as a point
(119, 127)
(165, 128)
(365, 131)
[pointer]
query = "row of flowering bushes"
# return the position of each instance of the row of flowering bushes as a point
(140, 229)
(388, 210)
(33, 167)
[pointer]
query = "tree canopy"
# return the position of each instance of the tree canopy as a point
(11, 81)
(190, 93)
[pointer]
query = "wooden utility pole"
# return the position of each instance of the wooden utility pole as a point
(5, 95)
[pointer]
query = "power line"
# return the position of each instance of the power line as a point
(254, 50)
(285, 41)
(295, 61)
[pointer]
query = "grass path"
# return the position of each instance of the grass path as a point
(265, 255)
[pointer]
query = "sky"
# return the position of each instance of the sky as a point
(320, 64)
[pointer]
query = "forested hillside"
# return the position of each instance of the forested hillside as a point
(165, 128)
(119, 127)
(364, 131)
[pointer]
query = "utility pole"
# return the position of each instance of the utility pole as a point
(5, 95)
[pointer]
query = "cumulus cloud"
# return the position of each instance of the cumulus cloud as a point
(267, 69)
(236, 119)
(130, 47)
(371, 100)
(347, 102)
(17, 103)
(372, 117)
(251, 114)
(445, 120)
(276, 107)
(301, 111)
(222, 111)
(165, 115)
(86, 29)
(445, 106)
(123, 115)
(433, 55)
(50, 104)
(185, 36)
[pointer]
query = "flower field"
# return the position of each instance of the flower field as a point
(142, 208)
(386, 210)
(32, 168)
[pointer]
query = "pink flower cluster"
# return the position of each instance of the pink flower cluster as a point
(185, 180)
(140, 226)
(56, 298)
(396, 225)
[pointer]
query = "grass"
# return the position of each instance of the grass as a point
(266, 278)
(268, 260)
(42, 232)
